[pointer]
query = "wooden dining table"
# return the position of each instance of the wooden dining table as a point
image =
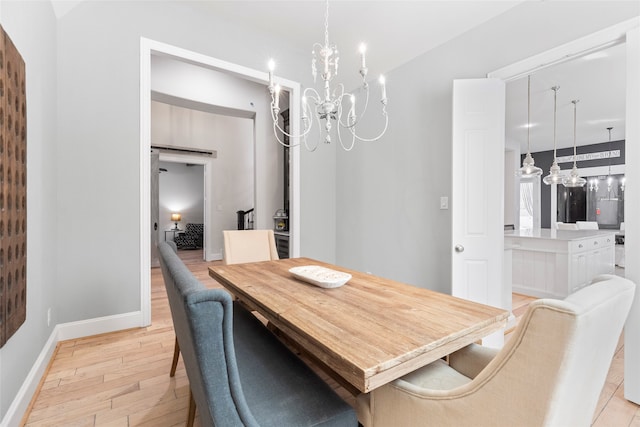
(367, 332)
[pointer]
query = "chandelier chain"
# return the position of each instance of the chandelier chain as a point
(555, 112)
(575, 108)
(529, 114)
(326, 25)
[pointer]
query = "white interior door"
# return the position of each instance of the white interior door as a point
(477, 192)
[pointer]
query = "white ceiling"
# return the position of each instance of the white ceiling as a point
(397, 31)
(597, 81)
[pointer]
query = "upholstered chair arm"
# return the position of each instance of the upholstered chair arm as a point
(472, 359)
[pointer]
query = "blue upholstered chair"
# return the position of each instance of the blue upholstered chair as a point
(239, 373)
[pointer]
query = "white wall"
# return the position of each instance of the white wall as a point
(388, 216)
(32, 27)
(98, 115)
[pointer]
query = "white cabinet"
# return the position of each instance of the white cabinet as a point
(554, 263)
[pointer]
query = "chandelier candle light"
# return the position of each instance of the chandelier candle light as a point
(329, 106)
(574, 179)
(554, 176)
(529, 169)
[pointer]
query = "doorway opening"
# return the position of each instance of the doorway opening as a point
(181, 208)
(236, 103)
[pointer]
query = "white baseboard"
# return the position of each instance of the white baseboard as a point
(213, 256)
(21, 402)
(99, 325)
(62, 332)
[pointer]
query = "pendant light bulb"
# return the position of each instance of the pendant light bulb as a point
(554, 176)
(529, 169)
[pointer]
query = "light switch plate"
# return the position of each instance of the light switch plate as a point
(444, 202)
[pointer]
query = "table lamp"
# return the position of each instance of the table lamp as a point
(175, 217)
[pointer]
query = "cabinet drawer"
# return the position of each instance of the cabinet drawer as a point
(581, 245)
(606, 241)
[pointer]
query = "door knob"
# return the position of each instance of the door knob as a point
(459, 248)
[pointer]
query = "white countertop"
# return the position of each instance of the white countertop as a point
(546, 233)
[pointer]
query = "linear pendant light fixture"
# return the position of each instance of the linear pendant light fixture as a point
(574, 179)
(529, 169)
(554, 176)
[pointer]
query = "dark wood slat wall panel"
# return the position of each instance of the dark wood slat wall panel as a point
(13, 197)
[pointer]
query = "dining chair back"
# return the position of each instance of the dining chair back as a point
(587, 225)
(242, 246)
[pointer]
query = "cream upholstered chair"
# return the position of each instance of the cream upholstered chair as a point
(242, 246)
(550, 373)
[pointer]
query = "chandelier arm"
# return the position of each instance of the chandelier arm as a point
(386, 124)
(284, 144)
(306, 143)
(311, 93)
(356, 116)
(353, 140)
(276, 126)
(310, 119)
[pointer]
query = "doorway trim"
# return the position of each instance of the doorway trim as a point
(602, 39)
(149, 47)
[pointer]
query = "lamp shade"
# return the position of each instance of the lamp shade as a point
(176, 217)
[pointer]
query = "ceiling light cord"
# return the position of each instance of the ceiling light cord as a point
(554, 176)
(529, 169)
(574, 179)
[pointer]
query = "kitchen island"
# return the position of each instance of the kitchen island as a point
(555, 263)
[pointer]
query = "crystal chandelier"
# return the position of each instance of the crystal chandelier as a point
(330, 105)
(574, 179)
(554, 176)
(529, 169)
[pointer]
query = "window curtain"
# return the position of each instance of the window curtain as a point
(526, 197)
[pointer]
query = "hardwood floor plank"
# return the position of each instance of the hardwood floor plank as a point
(618, 412)
(120, 422)
(140, 405)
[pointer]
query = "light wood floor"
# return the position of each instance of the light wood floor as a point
(122, 378)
